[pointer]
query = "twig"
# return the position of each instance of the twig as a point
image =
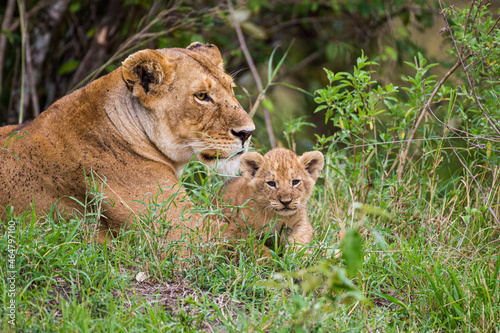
(427, 106)
(134, 43)
(472, 88)
(31, 76)
(485, 245)
(9, 11)
(255, 75)
(255, 105)
(20, 4)
(469, 80)
(306, 61)
(27, 15)
(493, 26)
(474, 179)
(421, 117)
(244, 48)
(452, 248)
(466, 23)
(249, 98)
(11, 113)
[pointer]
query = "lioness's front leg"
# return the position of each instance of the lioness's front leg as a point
(162, 217)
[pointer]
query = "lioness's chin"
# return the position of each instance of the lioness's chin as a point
(225, 166)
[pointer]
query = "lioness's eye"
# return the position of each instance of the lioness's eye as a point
(271, 184)
(295, 182)
(202, 96)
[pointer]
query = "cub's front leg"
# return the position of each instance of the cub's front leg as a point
(301, 233)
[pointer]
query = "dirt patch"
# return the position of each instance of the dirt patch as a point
(390, 302)
(180, 300)
(169, 295)
(177, 297)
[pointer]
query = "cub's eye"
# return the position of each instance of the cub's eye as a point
(202, 96)
(295, 182)
(271, 184)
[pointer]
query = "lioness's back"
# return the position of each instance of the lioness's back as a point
(131, 131)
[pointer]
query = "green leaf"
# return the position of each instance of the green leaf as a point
(293, 87)
(268, 104)
(91, 33)
(392, 53)
(281, 62)
(352, 251)
(270, 66)
(391, 299)
(370, 209)
(321, 107)
(8, 34)
(74, 7)
(68, 66)
(311, 283)
(330, 52)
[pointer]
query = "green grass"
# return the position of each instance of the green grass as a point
(430, 267)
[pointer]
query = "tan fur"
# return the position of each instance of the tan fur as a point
(263, 204)
(136, 128)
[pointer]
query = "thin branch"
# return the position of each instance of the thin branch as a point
(30, 13)
(244, 48)
(493, 26)
(466, 23)
(306, 61)
(469, 80)
(9, 11)
(11, 113)
(20, 4)
(474, 179)
(255, 105)
(421, 117)
(31, 77)
(255, 75)
(135, 42)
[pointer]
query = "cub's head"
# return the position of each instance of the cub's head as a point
(281, 180)
(184, 102)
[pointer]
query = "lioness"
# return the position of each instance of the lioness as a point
(135, 128)
(272, 195)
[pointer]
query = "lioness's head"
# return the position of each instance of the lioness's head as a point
(280, 180)
(186, 105)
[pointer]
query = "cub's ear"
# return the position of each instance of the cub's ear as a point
(250, 163)
(210, 51)
(144, 71)
(313, 162)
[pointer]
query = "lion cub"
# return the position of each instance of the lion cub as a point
(271, 196)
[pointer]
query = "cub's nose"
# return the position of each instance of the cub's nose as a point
(243, 133)
(285, 202)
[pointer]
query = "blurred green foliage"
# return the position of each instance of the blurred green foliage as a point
(290, 43)
(381, 144)
(85, 39)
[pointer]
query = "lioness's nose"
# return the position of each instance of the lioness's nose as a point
(243, 134)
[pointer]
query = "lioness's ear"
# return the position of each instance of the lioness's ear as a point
(210, 51)
(313, 162)
(250, 163)
(143, 71)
